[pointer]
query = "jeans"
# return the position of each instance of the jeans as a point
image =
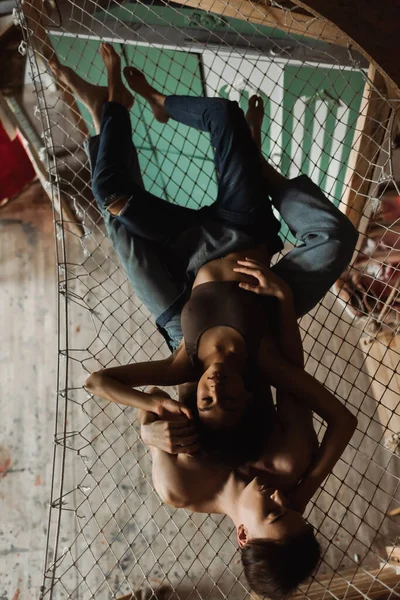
(327, 242)
(242, 198)
(145, 231)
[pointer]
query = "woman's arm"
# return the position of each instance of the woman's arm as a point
(171, 371)
(289, 339)
(113, 390)
(116, 384)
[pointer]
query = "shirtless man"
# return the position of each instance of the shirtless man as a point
(265, 499)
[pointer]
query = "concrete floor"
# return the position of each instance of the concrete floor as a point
(114, 532)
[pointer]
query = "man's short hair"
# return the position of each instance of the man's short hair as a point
(274, 569)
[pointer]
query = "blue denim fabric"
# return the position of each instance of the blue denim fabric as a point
(116, 174)
(242, 198)
(328, 240)
(162, 245)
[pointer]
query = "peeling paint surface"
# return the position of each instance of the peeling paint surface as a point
(27, 374)
(5, 461)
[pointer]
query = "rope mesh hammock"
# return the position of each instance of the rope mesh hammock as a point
(108, 533)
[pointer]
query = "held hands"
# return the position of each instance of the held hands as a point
(268, 283)
(173, 431)
(174, 437)
(167, 408)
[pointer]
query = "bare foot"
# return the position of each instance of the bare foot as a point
(137, 82)
(92, 96)
(254, 118)
(117, 92)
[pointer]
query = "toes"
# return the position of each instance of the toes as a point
(55, 66)
(131, 72)
(111, 50)
(105, 47)
(256, 104)
(53, 62)
(107, 50)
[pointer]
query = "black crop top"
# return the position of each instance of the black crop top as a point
(224, 303)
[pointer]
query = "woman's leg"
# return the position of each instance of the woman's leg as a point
(117, 183)
(143, 213)
(328, 242)
(242, 198)
(145, 263)
(328, 237)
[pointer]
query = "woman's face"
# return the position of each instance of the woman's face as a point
(263, 513)
(221, 397)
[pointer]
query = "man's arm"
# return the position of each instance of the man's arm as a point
(289, 341)
(167, 476)
(276, 181)
(176, 477)
(173, 434)
(341, 423)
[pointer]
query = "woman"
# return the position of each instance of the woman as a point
(169, 251)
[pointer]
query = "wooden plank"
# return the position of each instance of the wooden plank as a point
(261, 13)
(371, 129)
(361, 584)
(370, 28)
(6, 24)
(7, 122)
(28, 280)
(35, 15)
(354, 23)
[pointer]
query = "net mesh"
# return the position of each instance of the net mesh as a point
(325, 115)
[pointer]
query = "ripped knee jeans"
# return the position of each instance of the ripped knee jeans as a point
(118, 186)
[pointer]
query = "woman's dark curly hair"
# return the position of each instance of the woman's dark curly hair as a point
(275, 569)
(238, 445)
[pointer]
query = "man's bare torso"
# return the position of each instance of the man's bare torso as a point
(196, 484)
